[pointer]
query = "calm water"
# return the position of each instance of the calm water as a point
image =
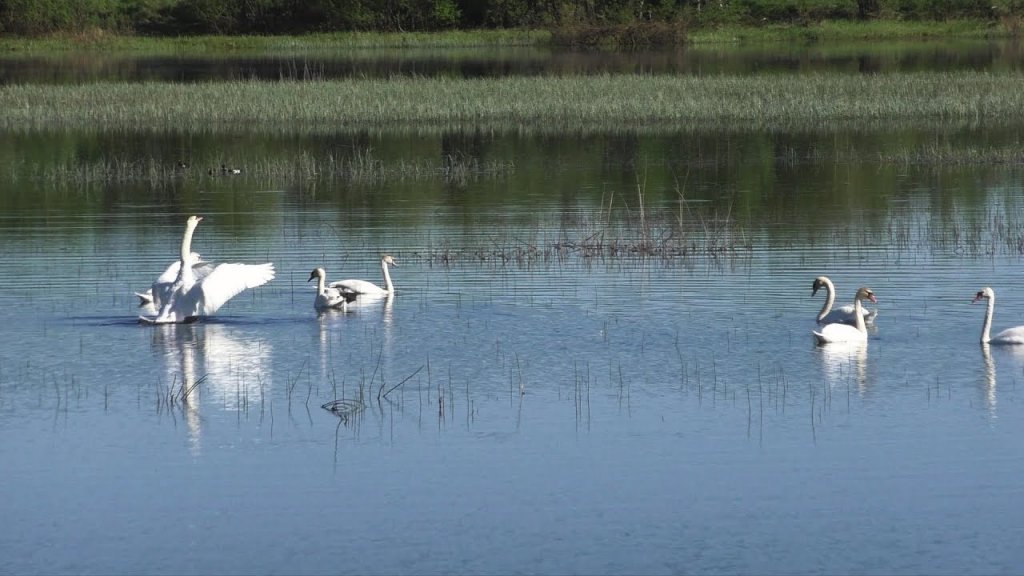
(514, 408)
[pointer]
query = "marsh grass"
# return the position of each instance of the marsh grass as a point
(361, 166)
(947, 154)
(831, 31)
(576, 103)
(618, 230)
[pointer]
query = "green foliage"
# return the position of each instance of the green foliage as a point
(32, 17)
(626, 17)
(633, 35)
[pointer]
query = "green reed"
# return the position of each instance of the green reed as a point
(603, 102)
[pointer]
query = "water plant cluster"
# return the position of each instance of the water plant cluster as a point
(599, 102)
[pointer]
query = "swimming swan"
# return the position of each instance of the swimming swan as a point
(329, 297)
(838, 332)
(191, 297)
(369, 288)
(842, 314)
(1013, 335)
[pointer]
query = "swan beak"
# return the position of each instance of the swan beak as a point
(814, 290)
(978, 296)
(311, 277)
(872, 298)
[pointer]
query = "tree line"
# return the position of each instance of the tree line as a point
(229, 17)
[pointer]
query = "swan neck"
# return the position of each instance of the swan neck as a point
(321, 284)
(387, 277)
(830, 299)
(987, 326)
(186, 245)
(858, 312)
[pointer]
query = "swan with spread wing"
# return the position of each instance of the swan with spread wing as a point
(193, 295)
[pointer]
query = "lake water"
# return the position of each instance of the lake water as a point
(557, 387)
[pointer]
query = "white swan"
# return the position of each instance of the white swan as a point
(838, 332)
(329, 297)
(843, 314)
(191, 297)
(362, 287)
(155, 295)
(1013, 335)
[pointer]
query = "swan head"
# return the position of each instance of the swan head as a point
(985, 293)
(387, 259)
(819, 283)
(865, 293)
(194, 221)
(317, 273)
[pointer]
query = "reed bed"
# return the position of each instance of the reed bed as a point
(766, 102)
(362, 166)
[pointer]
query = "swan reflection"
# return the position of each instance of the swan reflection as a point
(845, 361)
(990, 379)
(211, 362)
(331, 331)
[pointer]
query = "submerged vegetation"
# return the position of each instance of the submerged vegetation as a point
(578, 103)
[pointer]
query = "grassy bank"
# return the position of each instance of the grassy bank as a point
(815, 32)
(596, 103)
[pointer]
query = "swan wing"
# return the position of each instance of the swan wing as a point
(145, 298)
(161, 289)
(839, 333)
(846, 315)
(333, 298)
(225, 281)
(1013, 335)
(357, 287)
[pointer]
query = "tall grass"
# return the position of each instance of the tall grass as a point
(605, 102)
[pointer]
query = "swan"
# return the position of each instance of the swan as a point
(225, 170)
(158, 292)
(190, 297)
(839, 332)
(1013, 335)
(843, 314)
(361, 287)
(329, 297)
